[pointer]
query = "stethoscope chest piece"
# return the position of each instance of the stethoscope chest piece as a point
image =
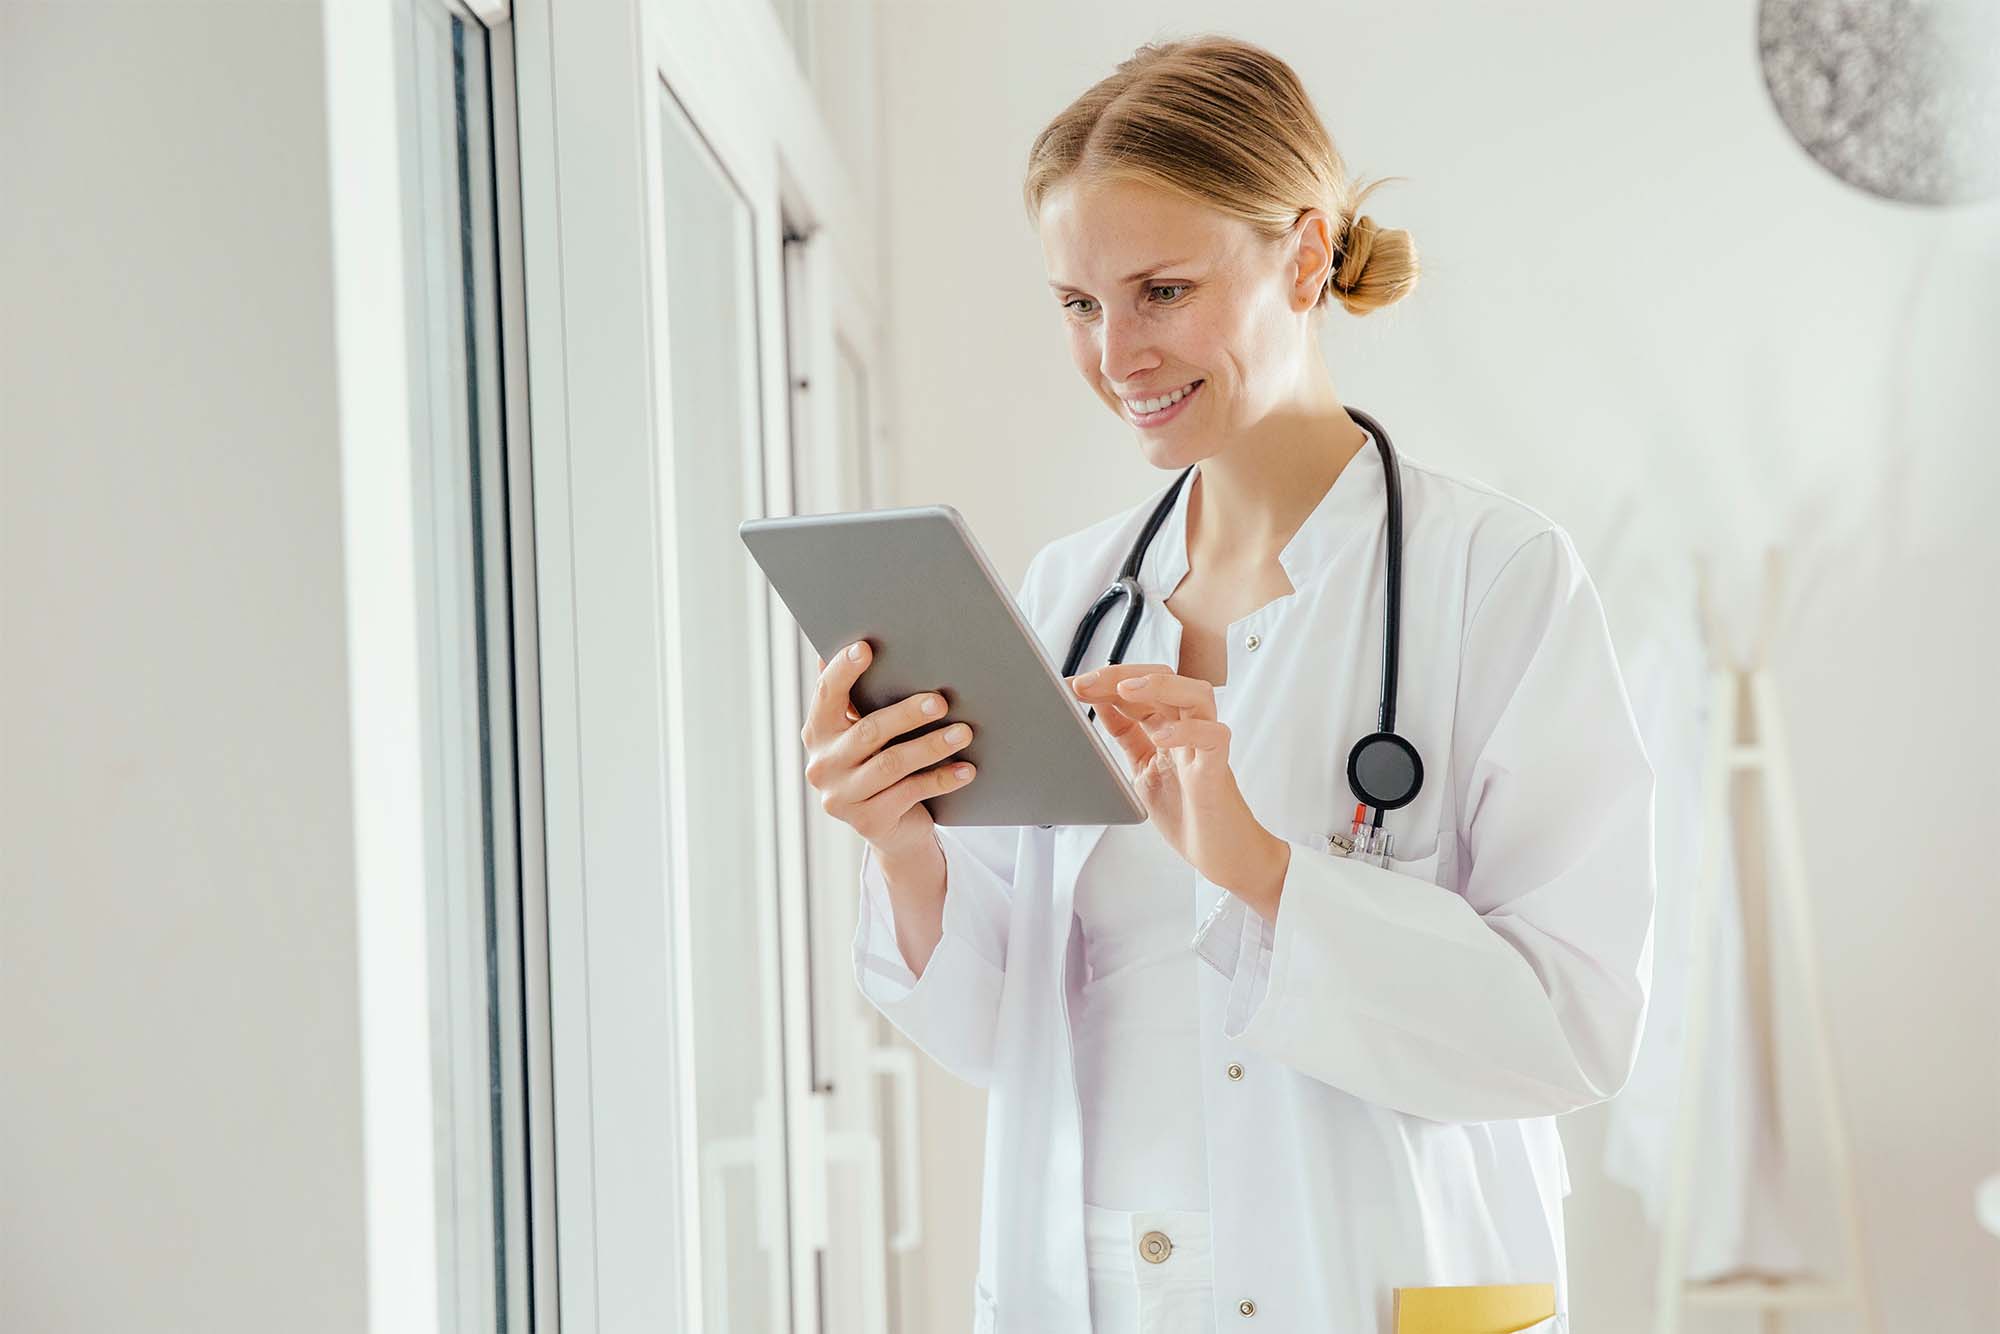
(1385, 771)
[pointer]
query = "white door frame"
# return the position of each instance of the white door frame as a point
(590, 80)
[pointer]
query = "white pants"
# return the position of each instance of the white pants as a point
(1130, 1294)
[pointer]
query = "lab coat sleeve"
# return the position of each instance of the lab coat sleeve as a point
(951, 1010)
(1523, 994)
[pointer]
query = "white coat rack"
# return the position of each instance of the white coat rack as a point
(1765, 758)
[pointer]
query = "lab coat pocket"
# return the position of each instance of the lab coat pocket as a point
(1423, 868)
(985, 1311)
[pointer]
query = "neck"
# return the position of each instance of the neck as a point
(1249, 498)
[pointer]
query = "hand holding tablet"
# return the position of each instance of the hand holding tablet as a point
(936, 622)
(877, 787)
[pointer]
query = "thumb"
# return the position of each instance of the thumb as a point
(1131, 738)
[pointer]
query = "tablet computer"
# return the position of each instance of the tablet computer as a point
(914, 584)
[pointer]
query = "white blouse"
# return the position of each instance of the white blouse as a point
(1138, 1033)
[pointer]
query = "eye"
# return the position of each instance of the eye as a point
(1177, 288)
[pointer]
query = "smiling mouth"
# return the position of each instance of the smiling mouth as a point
(1170, 410)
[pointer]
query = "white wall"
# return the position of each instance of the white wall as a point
(180, 1136)
(1636, 284)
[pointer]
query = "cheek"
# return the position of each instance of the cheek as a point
(1209, 342)
(1248, 345)
(1083, 352)
(1214, 345)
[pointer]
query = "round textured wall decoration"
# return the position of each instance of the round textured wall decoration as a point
(1900, 98)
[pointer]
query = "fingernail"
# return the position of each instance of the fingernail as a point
(854, 652)
(931, 704)
(1086, 678)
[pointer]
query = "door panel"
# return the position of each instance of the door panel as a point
(732, 894)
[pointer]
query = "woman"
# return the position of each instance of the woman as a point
(1240, 1077)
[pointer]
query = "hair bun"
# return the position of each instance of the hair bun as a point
(1354, 250)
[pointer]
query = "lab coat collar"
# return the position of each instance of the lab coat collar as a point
(1352, 505)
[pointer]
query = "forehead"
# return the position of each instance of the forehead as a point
(1101, 231)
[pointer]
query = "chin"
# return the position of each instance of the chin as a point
(1165, 455)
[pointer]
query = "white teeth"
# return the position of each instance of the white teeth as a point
(1144, 406)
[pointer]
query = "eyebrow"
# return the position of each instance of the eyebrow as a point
(1143, 273)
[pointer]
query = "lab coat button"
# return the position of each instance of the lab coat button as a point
(1252, 642)
(1247, 1308)
(1235, 1070)
(1155, 1247)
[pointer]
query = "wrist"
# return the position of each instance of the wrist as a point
(910, 861)
(1265, 885)
(1261, 876)
(1272, 883)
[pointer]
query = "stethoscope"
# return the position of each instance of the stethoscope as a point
(1383, 769)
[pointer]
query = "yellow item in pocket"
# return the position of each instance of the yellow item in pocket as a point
(1485, 1308)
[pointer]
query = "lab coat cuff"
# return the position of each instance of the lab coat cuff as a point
(1238, 943)
(1257, 950)
(977, 903)
(950, 1010)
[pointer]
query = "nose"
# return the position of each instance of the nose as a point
(1124, 348)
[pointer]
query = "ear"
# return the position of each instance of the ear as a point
(1312, 257)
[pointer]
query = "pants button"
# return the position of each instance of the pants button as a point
(1155, 1247)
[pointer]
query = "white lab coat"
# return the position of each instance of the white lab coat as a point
(1407, 1033)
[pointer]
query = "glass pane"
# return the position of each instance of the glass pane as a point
(733, 906)
(467, 705)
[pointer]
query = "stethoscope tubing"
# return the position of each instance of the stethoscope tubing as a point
(1126, 587)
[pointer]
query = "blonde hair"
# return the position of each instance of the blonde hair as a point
(1227, 124)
